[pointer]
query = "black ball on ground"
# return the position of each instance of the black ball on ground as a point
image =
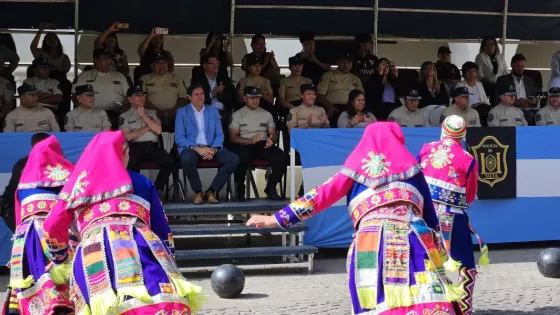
(548, 263)
(228, 281)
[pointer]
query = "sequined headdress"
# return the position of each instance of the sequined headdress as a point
(454, 126)
(99, 174)
(45, 167)
(381, 157)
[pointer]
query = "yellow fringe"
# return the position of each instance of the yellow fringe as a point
(60, 274)
(192, 292)
(100, 304)
(367, 297)
(484, 260)
(138, 292)
(453, 292)
(397, 296)
(85, 311)
(452, 265)
(22, 283)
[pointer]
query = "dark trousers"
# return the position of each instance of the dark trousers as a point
(114, 119)
(274, 155)
(149, 151)
(189, 159)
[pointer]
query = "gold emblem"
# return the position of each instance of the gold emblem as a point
(491, 155)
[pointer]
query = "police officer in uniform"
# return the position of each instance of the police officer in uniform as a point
(364, 60)
(550, 114)
(85, 117)
(30, 116)
(335, 86)
(505, 114)
(166, 91)
(308, 115)
(50, 95)
(460, 107)
(253, 132)
(141, 128)
(255, 79)
(110, 86)
(408, 115)
(289, 95)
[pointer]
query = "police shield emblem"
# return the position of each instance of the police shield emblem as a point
(491, 156)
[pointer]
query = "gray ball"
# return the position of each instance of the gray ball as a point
(548, 263)
(228, 281)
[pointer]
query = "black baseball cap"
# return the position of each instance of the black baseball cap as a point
(460, 91)
(135, 90)
(413, 94)
(160, 57)
(252, 91)
(305, 87)
(98, 52)
(27, 89)
(41, 62)
(346, 56)
(252, 60)
(295, 60)
(509, 90)
(554, 91)
(444, 49)
(85, 89)
(362, 38)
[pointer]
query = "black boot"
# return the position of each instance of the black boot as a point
(240, 192)
(271, 193)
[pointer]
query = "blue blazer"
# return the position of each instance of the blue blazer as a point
(186, 129)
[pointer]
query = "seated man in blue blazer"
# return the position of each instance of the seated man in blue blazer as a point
(199, 135)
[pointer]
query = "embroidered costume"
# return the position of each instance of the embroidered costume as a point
(451, 173)
(124, 263)
(394, 266)
(32, 288)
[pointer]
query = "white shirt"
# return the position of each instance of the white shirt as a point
(215, 102)
(109, 87)
(519, 87)
(506, 116)
(201, 137)
(486, 69)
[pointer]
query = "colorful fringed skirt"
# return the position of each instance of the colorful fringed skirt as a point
(32, 290)
(122, 267)
(395, 268)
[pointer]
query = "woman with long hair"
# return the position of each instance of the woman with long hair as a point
(431, 90)
(109, 40)
(357, 116)
(124, 262)
(394, 265)
(491, 62)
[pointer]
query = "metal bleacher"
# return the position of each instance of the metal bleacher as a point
(223, 222)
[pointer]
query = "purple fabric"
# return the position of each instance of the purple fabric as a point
(153, 272)
(388, 94)
(417, 257)
(79, 276)
(110, 263)
(34, 260)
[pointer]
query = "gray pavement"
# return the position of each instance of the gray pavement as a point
(511, 285)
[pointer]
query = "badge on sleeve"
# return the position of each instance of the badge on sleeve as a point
(9, 87)
(391, 119)
(65, 120)
(538, 117)
(441, 119)
(490, 117)
(121, 121)
(289, 117)
(230, 120)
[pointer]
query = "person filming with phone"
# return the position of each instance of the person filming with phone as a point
(383, 89)
(253, 132)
